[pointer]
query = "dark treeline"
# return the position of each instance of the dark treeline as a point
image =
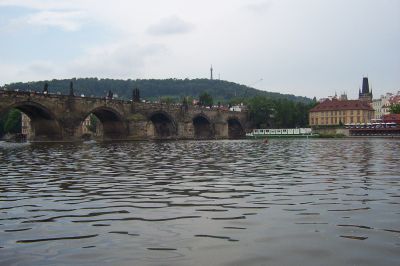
(278, 113)
(154, 89)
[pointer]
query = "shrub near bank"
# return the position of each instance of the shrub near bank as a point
(329, 131)
(331, 135)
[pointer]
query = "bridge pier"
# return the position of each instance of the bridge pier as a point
(221, 130)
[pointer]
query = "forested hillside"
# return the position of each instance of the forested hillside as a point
(153, 89)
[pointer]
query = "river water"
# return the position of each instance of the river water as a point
(288, 202)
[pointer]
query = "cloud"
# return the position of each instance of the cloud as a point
(66, 20)
(259, 8)
(121, 60)
(118, 60)
(170, 26)
(40, 4)
(65, 15)
(36, 70)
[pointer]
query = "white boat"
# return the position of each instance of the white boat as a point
(281, 132)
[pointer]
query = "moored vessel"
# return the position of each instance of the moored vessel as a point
(281, 133)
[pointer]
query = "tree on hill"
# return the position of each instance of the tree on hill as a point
(205, 99)
(261, 111)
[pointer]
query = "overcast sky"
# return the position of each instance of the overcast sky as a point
(302, 47)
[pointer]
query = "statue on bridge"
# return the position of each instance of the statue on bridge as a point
(110, 95)
(46, 88)
(185, 104)
(71, 89)
(136, 95)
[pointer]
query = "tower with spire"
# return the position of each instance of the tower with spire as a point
(211, 73)
(364, 93)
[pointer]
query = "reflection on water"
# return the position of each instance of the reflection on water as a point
(307, 202)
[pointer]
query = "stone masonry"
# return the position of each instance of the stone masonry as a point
(58, 118)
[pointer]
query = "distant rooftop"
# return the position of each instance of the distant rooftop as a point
(334, 105)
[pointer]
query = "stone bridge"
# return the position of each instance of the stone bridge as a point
(60, 117)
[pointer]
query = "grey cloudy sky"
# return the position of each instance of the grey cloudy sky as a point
(302, 47)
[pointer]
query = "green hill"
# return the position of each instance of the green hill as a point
(153, 89)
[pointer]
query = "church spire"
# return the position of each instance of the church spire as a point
(211, 73)
(364, 93)
(365, 85)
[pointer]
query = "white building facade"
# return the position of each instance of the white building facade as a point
(382, 105)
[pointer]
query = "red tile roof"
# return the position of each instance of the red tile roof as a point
(334, 105)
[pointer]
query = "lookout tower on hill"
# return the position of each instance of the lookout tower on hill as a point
(365, 94)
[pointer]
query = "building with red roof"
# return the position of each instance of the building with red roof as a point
(336, 112)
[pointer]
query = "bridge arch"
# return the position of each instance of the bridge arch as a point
(111, 126)
(43, 123)
(203, 128)
(161, 126)
(235, 128)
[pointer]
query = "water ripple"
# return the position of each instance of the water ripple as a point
(214, 202)
(55, 238)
